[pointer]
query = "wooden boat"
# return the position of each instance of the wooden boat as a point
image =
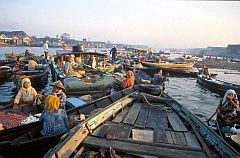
(226, 134)
(141, 125)
(181, 66)
(218, 86)
(25, 140)
(5, 73)
(38, 77)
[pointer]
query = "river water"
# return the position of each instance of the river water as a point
(186, 91)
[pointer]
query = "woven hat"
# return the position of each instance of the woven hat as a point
(58, 84)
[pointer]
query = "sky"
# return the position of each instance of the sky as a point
(156, 23)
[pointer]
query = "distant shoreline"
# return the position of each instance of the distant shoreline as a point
(218, 64)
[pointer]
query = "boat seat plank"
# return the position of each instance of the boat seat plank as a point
(133, 113)
(178, 138)
(176, 123)
(162, 120)
(160, 136)
(103, 103)
(142, 135)
(142, 149)
(169, 137)
(119, 118)
(101, 131)
(192, 140)
(142, 117)
(116, 96)
(119, 131)
(152, 118)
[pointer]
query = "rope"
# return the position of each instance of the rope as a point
(163, 108)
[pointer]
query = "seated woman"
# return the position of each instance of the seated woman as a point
(55, 120)
(26, 97)
(228, 106)
(32, 65)
(68, 68)
(128, 82)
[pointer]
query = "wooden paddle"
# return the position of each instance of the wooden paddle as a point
(211, 117)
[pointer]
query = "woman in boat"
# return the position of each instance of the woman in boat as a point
(26, 97)
(228, 106)
(128, 82)
(58, 92)
(32, 65)
(68, 68)
(55, 120)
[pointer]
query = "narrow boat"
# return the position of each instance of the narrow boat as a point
(181, 66)
(38, 77)
(5, 73)
(226, 134)
(26, 140)
(218, 86)
(142, 125)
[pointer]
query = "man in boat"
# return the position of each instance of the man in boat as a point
(26, 97)
(68, 68)
(159, 79)
(113, 51)
(45, 49)
(42, 60)
(205, 73)
(228, 107)
(19, 62)
(55, 120)
(128, 82)
(27, 53)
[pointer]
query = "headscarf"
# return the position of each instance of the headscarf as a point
(52, 103)
(26, 80)
(230, 91)
(130, 73)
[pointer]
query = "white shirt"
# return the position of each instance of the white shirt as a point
(45, 47)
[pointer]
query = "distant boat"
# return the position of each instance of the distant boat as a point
(173, 65)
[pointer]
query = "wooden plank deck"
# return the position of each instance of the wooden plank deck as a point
(192, 140)
(142, 135)
(152, 118)
(178, 138)
(162, 120)
(136, 148)
(142, 117)
(119, 131)
(101, 131)
(176, 123)
(119, 118)
(133, 113)
(160, 136)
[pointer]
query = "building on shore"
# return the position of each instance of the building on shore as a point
(234, 50)
(14, 38)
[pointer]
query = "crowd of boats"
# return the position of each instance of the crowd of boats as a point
(109, 114)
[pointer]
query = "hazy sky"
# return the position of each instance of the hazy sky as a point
(158, 24)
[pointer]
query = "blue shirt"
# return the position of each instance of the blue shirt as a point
(43, 61)
(55, 122)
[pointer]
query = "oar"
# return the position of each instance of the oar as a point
(211, 117)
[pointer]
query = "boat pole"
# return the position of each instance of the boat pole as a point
(211, 117)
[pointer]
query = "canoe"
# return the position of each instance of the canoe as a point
(142, 125)
(226, 134)
(181, 66)
(5, 73)
(218, 86)
(26, 141)
(38, 77)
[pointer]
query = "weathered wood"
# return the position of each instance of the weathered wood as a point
(141, 148)
(205, 147)
(103, 103)
(142, 135)
(119, 118)
(162, 120)
(101, 131)
(152, 98)
(160, 136)
(79, 152)
(78, 133)
(178, 138)
(133, 113)
(152, 118)
(192, 140)
(119, 131)
(169, 137)
(142, 116)
(176, 123)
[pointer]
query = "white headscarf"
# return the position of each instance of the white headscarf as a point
(26, 80)
(230, 91)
